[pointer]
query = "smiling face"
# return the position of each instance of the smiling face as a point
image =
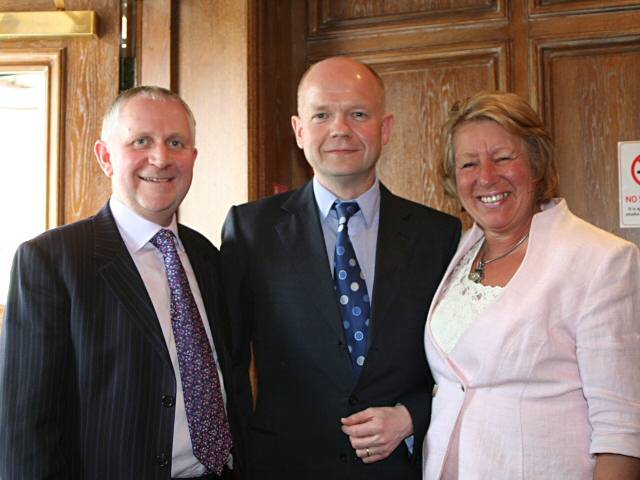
(494, 178)
(341, 125)
(149, 156)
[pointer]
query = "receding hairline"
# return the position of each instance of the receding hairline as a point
(376, 76)
(152, 92)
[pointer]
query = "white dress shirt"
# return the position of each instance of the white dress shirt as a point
(136, 232)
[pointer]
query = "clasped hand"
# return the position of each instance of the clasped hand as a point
(376, 432)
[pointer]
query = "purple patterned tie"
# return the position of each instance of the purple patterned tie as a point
(208, 425)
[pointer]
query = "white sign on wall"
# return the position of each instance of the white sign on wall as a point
(629, 182)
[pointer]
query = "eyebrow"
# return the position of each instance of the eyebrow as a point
(324, 106)
(500, 148)
(146, 133)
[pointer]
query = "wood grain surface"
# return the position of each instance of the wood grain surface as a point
(90, 81)
(576, 61)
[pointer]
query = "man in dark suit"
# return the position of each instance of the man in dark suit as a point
(109, 368)
(333, 297)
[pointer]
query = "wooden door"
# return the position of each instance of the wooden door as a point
(89, 82)
(87, 72)
(576, 61)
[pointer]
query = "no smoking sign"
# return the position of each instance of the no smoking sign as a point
(635, 169)
(629, 181)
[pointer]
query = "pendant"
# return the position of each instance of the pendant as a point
(478, 274)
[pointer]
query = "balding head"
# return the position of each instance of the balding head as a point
(327, 69)
(341, 124)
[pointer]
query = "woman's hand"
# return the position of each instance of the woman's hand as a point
(611, 466)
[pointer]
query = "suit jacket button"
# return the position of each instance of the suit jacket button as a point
(353, 400)
(168, 401)
(162, 460)
(343, 457)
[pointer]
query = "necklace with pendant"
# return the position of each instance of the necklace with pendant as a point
(477, 274)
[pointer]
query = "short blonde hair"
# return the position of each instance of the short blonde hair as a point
(516, 116)
(110, 119)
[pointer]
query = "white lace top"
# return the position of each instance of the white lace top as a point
(462, 302)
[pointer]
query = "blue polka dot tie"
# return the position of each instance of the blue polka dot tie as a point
(351, 288)
(208, 425)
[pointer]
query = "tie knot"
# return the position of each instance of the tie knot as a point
(164, 241)
(345, 210)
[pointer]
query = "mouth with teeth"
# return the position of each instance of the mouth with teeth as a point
(492, 199)
(156, 179)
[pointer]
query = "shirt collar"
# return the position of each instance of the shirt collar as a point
(368, 202)
(136, 231)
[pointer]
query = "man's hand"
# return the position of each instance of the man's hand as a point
(376, 432)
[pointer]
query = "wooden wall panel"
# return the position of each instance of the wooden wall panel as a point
(574, 60)
(332, 16)
(278, 164)
(156, 43)
(26, 5)
(213, 80)
(420, 92)
(543, 7)
(90, 82)
(592, 89)
(364, 9)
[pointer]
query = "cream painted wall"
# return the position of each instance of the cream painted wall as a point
(212, 78)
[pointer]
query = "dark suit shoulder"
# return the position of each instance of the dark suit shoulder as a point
(251, 220)
(75, 239)
(199, 248)
(429, 214)
(79, 228)
(189, 234)
(264, 205)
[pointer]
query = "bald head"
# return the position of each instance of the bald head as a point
(340, 70)
(341, 124)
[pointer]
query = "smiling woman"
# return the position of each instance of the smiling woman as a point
(532, 336)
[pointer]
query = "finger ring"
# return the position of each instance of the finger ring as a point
(368, 452)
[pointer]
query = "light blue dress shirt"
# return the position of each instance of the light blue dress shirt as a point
(363, 233)
(363, 227)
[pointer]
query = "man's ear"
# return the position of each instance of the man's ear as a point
(101, 149)
(296, 124)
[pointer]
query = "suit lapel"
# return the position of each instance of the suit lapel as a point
(301, 234)
(116, 267)
(393, 251)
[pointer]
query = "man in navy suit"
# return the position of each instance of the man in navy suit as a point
(322, 412)
(90, 381)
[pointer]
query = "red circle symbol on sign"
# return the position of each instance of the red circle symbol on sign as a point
(635, 169)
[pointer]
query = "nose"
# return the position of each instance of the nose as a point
(340, 126)
(159, 156)
(487, 172)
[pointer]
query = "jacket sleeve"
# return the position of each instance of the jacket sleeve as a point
(608, 351)
(39, 428)
(418, 402)
(235, 272)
